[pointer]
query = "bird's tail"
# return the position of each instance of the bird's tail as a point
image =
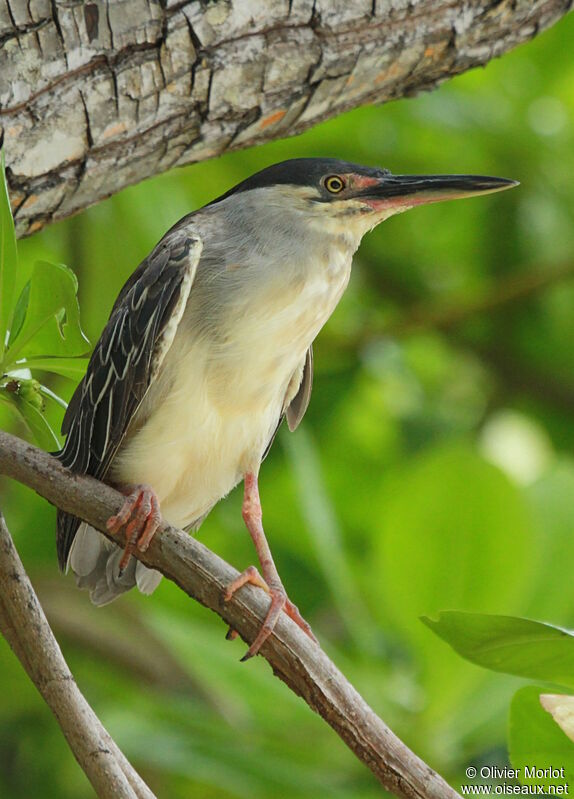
(95, 562)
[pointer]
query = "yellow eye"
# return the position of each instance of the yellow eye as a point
(334, 184)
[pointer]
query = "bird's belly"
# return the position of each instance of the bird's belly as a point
(192, 450)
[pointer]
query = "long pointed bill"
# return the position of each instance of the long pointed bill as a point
(406, 191)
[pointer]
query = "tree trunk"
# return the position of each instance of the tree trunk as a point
(95, 96)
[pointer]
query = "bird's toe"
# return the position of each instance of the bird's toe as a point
(279, 602)
(140, 516)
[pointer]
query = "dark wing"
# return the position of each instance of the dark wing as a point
(125, 361)
(296, 404)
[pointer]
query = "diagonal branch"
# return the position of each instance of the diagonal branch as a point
(25, 627)
(294, 658)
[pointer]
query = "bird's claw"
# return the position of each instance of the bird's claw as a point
(279, 602)
(140, 515)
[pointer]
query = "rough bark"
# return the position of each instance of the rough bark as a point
(294, 657)
(95, 96)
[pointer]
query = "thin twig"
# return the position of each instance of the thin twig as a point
(25, 627)
(294, 658)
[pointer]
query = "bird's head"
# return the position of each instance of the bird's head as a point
(338, 196)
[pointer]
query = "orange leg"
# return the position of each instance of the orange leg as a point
(140, 515)
(270, 582)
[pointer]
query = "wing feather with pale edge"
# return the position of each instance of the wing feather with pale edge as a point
(125, 362)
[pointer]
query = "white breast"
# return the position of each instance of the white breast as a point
(228, 391)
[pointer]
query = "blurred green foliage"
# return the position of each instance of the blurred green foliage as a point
(433, 471)
(39, 329)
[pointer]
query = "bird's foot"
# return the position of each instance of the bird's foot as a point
(140, 515)
(279, 602)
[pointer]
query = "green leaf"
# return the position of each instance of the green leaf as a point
(20, 312)
(47, 392)
(39, 427)
(74, 368)
(52, 320)
(8, 257)
(535, 740)
(26, 397)
(509, 644)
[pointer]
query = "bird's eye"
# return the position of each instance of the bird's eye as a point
(334, 184)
